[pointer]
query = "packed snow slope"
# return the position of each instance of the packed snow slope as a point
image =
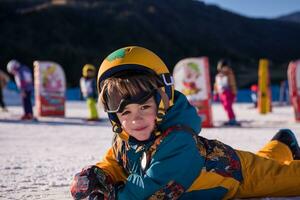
(39, 159)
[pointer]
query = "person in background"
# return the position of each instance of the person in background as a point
(4, 78)
(254, 90)
(24, 81)
(225, 90)
(284, 93)
(89, 90)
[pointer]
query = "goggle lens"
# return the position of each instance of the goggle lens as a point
(117, 103)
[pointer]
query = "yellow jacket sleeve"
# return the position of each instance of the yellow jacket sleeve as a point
(111, 167)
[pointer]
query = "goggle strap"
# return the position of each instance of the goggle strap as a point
(113, 117)
(164, 98)
(171, 99)
(163, 105)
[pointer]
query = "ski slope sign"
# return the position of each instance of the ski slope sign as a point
(294, 86)
(50, 88)
(191, 76)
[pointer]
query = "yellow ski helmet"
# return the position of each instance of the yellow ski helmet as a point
(88, 67)
(138, 59)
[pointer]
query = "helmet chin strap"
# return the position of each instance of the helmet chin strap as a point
(117, 128)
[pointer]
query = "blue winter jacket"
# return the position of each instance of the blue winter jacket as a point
(23, 78)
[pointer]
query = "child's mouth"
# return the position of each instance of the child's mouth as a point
(140, 129)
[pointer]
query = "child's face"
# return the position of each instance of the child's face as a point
(138, 120)
(90, 73)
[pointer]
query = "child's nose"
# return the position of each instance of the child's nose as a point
(136, 117)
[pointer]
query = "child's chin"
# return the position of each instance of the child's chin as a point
(143, 138)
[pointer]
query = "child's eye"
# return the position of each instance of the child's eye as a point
(125, 113)
(144, 107)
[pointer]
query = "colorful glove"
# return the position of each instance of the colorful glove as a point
(92, 182)
(96, 196)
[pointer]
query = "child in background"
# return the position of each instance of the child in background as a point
(225, 90)
(89, 90)
(254, 91)
(157, 153)
(3, 81)
(24, 81)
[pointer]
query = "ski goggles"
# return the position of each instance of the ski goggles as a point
(117, 103)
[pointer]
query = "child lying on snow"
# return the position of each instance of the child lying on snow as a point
(157, 153)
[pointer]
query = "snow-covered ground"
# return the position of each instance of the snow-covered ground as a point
(39, 159)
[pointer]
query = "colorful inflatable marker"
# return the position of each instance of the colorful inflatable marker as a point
(191, 76)
(50, 88)
(294, 86)
(264, 92)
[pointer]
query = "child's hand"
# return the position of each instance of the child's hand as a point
(91, 181)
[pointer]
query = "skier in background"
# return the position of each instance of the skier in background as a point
(4, 78)
(225, 90)
(89, 90)
(24, 81)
